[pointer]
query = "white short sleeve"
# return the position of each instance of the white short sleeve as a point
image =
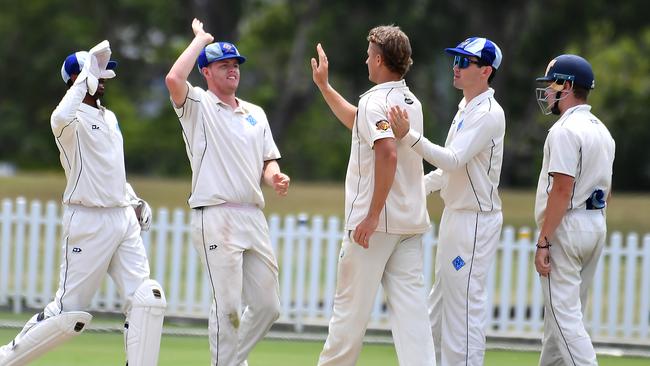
(271, 151)
(373, 123)
(190, 111)
(564, 151)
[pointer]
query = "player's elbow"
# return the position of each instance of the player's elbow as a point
(173, 81)
(388, 158)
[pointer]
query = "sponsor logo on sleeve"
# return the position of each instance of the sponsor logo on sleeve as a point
(382, 126)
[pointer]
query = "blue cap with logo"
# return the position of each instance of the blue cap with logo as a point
(218, 51)
(482, 48)
(570, 67)
(74, 63)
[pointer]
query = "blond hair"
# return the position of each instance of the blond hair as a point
(394, 46)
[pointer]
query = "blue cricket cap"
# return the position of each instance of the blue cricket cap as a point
(482, 48)
(75, 62)
(218, 51)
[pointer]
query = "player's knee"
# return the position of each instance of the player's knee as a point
(150, 295)
(269, 309)
(143, 328)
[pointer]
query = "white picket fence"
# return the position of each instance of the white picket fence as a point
(307, 249)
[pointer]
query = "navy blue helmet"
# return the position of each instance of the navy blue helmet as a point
(570, 67)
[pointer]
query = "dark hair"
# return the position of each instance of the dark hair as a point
(492, 74)
(395, 47)
(482, 63)
(69, 83)
(580, 92)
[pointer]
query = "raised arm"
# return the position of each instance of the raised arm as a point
(85, 82)
(176, 79)
(342, 109)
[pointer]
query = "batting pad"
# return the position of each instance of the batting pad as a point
(144, 326)
(43, 336)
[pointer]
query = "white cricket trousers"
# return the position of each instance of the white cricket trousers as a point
(233, 242)
(97, 241)
(458, 309)
(575, 249)
(396, 262)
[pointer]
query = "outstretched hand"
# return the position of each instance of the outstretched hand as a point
(320, 68)
(399, 121)
(280, 183)
(197, 28)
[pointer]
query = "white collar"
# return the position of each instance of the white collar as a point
(387, 85)
(463, 105)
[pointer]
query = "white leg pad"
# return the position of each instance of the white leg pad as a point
(38, 337)
(144, 326)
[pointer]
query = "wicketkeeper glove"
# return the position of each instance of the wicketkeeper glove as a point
(141, 207)
(143, 212)
(94, 67)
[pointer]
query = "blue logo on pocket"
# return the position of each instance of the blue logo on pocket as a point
(458, 263)
(251, 120)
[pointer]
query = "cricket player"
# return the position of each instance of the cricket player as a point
(102, 221)
(570, 208)
(231, 151)
(385, 213)
(469, 168)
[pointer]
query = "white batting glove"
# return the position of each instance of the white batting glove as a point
(143, 212)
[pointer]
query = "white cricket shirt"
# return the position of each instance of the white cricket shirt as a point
(91, 152)
(405, 209)
(578, 145)
(469, 166)
(227, 149)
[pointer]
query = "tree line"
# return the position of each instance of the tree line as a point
(279, 36)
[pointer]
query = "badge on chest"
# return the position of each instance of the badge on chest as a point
(251, 120)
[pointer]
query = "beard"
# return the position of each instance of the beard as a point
(555, 109)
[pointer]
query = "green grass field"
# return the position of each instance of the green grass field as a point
(627, 211)
(106, 349)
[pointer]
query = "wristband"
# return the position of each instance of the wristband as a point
(548, 245)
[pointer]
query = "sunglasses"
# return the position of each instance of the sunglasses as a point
(463, 62)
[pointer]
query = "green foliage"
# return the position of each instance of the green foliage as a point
(621, 98)
(279, 36)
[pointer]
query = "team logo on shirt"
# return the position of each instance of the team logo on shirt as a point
(76, 250)
(251, 120)
(408, 100)
(458, 263)
(382, 126)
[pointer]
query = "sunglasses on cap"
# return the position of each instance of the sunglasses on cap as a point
(463, 62)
